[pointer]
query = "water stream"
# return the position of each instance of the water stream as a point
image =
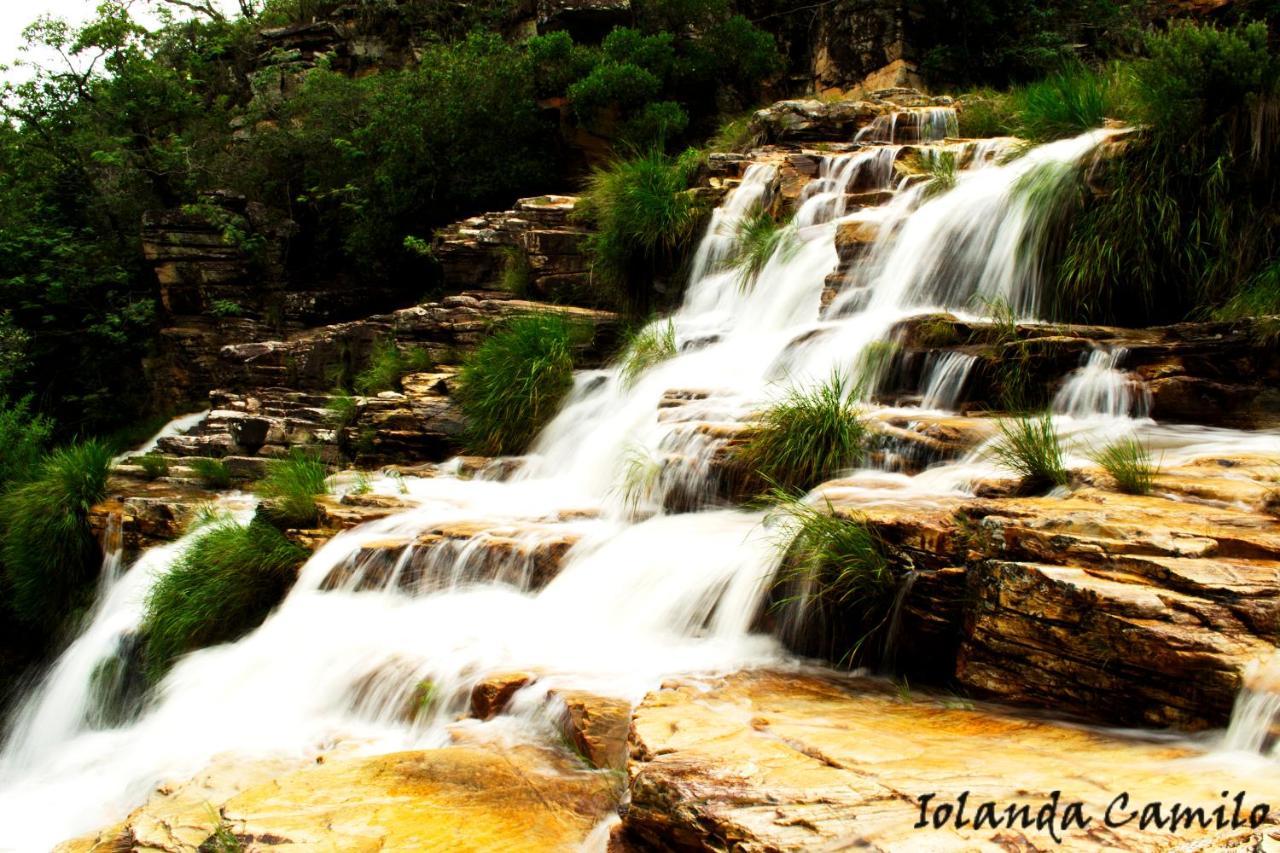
(641, 595)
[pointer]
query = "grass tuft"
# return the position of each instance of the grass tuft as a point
(941, 167)
(1129, 463)
(642, 215)
(834, 587)
(153, 466)
(512, 384)
(806, 437)
(517, 274)
(759, 237)
(343, 409)
(1076, 99)
(290, 488)
(49, 555)
(387, 365)
(653, 344)
(221, 588)
(213, 473)
(1029, 446)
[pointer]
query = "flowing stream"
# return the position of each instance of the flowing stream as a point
(642, 594)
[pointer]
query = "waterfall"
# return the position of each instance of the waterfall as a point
(946, 380)
(396, 603)
(1100, 388)
(180, 425)
(924, 124)
(1255, 720)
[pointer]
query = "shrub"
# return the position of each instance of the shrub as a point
(1067, 103)
(49, 554)
(1029, 446)
(806, 437)
(1129, 463)
(512, 384)
(619, 84)
(290, 488)
(655, 343)
(24, 436)
(656, 125)
(834, 587)
(153, 466)
(557, 62)
(642, 216)
(221, 588)
(213, 473)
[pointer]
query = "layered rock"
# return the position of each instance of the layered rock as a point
(774, 761)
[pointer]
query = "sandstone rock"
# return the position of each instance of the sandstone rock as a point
(492, 694)
(596, 726)
(814, 120)
(457, 798)
(773, 761)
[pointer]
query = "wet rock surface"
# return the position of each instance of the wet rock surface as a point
(790, 761)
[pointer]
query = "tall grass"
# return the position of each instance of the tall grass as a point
(343, 409)
(221, 588)
(24, 436)
(985, 114)
(759, 237)
(387, 365)
(516, 275)
(1129, 463)
(153, 466)
(49, 554)
(834, 586)
(1076, 99)
(806, 437)
(212, 473)
(643, 215)
(512, 384)
(290, 489)
(941, 167)
(1029, 446)
(653, 344)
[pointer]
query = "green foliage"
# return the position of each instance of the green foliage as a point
(386, 367)
(1176, 224)
(834, 587)
(221, 588)
(290, 488)
(734, 135)
(512, 384)
(941, 166)
(759, 237)
(50, 556)
(1029, 446)
(1066, 103)
(807, 436)
(24, 436)
(642, 216)
(1129, 463)
(212, 473)
(986, 114)
(653, 344)
(517, 273)
(343, 409)
(1257, 297)
(153, 466)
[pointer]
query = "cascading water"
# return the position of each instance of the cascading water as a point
(385, 607)
(1100, 388)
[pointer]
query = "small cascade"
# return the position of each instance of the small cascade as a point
(1255, 720)
(178, 426)
(825, 197)
(1098, 388)
(921, 124)
(892, 636)
(946, 380)
(721, 236)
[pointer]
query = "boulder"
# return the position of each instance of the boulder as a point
(791, 761)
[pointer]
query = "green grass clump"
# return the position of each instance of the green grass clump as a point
(834, 586)
(655, 343)
(1257, 297)
(941, 167)
(1068, 103)
(517, 273)
(343, 409)
(1029, 446)
(986, 114)
(643, 215)
(1129, 463)
(49, 554)
(290, 488)
(806, 437)
(387, 365)
(221, 588)
(759, 237)
(735, 135)
(153, 466)
(512, 384)
(212, 473)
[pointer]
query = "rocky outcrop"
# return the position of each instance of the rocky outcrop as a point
(533, 248)
(787, 761)
(472, 797)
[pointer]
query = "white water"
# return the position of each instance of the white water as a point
(1100, 388)
(634, 600)
(178, 426)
